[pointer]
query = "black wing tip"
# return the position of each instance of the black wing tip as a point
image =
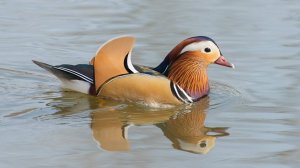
(42, 65)
(37, 62)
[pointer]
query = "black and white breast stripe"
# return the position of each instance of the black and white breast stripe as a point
(180, 93)
(80, 75)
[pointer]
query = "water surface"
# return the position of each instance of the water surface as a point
(250, 119)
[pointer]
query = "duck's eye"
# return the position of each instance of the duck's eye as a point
(207, 50)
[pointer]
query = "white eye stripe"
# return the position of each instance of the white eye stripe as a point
(200, 46)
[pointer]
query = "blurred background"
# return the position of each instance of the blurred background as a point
(250, 119)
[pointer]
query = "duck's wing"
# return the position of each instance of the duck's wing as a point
(113, 59)
(75, 77)
(146, 70)
(140, 87)
(83, 72)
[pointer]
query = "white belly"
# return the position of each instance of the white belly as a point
(76, 85)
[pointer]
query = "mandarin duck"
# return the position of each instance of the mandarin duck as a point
(180, 78)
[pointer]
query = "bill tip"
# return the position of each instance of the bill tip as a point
(232, 66)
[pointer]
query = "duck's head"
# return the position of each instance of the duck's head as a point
(187, 62)
(201, 47)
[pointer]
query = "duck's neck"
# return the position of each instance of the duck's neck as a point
(190, 73)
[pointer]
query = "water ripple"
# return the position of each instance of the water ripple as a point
(221, 94)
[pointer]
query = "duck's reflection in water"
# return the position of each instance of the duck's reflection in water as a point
(183, 126)
(110, 127)
(109, 131)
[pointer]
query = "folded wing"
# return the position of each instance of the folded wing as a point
(113, 59)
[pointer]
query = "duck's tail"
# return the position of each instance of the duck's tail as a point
(74, 77)
(43, 65)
